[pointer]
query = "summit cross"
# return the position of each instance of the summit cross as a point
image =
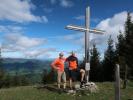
(86, 29)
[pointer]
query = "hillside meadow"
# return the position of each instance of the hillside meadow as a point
(106, 92)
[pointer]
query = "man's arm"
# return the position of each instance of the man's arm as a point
(54, 65)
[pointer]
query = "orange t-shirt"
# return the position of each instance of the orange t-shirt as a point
(59, 63)
(72, 65)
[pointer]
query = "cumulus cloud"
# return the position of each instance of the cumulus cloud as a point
(9, 28)
(112, 26)
(15, 44)
(18, 11)
(24, 46)
(19, 42)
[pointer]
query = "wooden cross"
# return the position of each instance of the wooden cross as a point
(87, 30)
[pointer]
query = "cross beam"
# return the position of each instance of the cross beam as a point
(83, 29)
(87, 30)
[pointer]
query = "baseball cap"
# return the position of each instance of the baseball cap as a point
(61, 54)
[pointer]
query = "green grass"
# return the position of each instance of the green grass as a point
(106, 92)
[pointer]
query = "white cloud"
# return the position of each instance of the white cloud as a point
(19, 42)
(18, 11)
(9, 28)
(112, 26)
(66, 3)
(23, 46)
(15, 44)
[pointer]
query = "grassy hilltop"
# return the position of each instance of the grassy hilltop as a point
(106, 92)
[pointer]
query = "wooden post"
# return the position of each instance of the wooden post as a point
(117, 83)
(87, 25)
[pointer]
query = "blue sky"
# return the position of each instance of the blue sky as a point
(36, 28)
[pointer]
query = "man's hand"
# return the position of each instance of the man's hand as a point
(56, 68)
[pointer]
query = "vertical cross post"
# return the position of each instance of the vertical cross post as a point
(87, 26)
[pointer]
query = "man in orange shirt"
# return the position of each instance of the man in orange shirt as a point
(58, 65)
(73, 69)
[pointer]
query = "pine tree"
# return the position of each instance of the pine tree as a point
(129, 42)
(109, 61)
(128, 49)
(120, 52)
(124, 50)
(95, 65)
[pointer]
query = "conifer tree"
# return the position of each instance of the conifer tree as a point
(95, 64)
(109, 61)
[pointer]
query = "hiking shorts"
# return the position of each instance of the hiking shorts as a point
(73, 74)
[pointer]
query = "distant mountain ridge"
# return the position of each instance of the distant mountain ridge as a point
(21, 60)
(25, 65)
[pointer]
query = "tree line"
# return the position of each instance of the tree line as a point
(117, 53)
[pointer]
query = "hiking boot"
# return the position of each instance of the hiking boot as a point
(82, 84)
